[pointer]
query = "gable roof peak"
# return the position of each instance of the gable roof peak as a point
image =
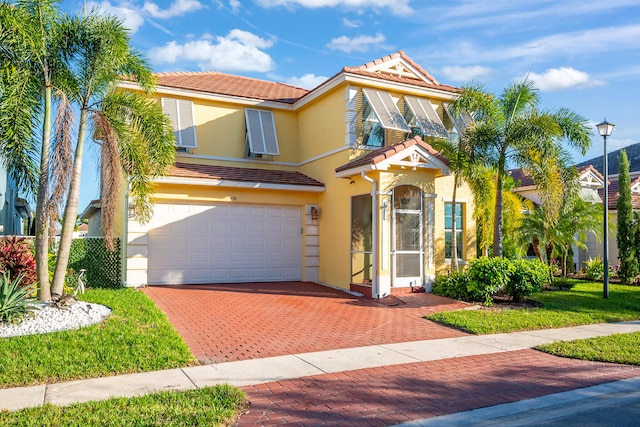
(397, 64)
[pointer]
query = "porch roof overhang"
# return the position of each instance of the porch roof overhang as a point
(227, 176)
(413, 153)
(91, 209)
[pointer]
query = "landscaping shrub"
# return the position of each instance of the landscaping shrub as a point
(594, 268)
(15, 299)
(527, 278)
(487, 275)
(17, 259)
(453, 286)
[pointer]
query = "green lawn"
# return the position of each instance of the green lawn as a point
(622, 348)
(137, 337)
(581, 305)
(211, 406)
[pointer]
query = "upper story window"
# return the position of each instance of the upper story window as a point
(180, 113)
(380, 115)
(261, 137)
(421, 115)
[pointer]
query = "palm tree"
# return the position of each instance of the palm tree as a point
(135, 136)
(510, 129)
(576, 219)
(33, 48)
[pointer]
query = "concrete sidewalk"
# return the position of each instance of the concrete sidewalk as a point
(259, 371)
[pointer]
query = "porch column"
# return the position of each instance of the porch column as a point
(430, 200)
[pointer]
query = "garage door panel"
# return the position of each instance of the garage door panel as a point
(224, 243)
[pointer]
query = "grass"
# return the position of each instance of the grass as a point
(137, 337)
(581, 305)
(209, 406)
(621, 348)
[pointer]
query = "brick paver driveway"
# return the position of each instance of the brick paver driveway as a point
(222, 323)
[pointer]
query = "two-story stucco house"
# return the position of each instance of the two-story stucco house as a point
(336, 185)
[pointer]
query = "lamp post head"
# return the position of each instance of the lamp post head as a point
(605, 128)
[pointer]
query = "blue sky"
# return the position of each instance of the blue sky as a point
(583, 55)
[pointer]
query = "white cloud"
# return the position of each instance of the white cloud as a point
(397, 7)
(234, 5)
(351, 23)
(126, 12)
(307, 81)
(177, 8)
(239, 51)
(463, 74)
(356, 44)
(559, 79)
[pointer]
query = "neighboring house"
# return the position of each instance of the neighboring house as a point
(336, 185)
(591, 189)
(16, 217)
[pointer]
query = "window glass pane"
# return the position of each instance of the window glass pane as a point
(448, 226)
(372, 131)
(407, 197)
(361, 239)
(361, 231)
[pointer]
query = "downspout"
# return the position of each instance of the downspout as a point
(375, 287)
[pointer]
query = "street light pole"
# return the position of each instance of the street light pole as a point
(605, 128)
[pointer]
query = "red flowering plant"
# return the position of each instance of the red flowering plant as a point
(17, 258)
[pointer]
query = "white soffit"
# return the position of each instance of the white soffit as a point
(414, 157)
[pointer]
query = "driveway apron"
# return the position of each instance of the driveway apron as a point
(222, 323)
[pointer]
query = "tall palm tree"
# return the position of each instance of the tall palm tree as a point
(135, 136)
(33, 48)
(510, 129)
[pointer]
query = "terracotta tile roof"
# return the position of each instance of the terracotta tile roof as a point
(376, 156)
(584, 169)
(520, 177)
(267, 176)
(228, 84)
(365, 70)
(613, 193)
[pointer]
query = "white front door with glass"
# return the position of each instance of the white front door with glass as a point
(407, 237)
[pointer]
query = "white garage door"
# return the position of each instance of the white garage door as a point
(224, 243)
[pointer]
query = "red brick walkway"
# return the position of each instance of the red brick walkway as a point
(400, 393)
(222, 323)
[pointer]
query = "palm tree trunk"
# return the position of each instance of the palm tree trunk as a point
(497, 220)
(454, 240)
(70, 210)
(42, 222)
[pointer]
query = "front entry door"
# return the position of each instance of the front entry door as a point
(407, 236)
